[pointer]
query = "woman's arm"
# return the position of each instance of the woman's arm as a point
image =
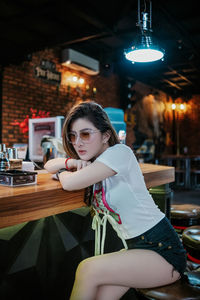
(53, 165)
(85, 177)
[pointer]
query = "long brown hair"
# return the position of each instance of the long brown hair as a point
(94, 113)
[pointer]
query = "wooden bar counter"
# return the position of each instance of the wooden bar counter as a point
(46, 198)
(45, 232)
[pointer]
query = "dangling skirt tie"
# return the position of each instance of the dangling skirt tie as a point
(99, 221)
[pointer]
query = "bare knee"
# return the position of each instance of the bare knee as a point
(85, 270)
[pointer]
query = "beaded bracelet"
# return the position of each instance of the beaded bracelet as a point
(66, 163)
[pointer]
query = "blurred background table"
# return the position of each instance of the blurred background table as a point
(187, 169)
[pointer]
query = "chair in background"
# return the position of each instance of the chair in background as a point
(195, 172)
(180, 175)
(181, 163)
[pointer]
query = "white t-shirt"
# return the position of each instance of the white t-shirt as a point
(125, 194)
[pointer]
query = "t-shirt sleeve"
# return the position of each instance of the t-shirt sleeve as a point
(117, 158)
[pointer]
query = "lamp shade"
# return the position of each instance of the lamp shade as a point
(144, 50)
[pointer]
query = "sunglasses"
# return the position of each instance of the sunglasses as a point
(84, 135)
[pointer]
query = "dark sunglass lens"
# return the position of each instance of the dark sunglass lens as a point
(85, 135)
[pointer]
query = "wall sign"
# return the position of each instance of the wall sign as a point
(47, 72)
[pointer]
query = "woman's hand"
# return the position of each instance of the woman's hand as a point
(77, 164)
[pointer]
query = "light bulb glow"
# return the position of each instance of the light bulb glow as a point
(81, 80)
(144, 55)
(74, 78)
(173, 106)
(182, 106)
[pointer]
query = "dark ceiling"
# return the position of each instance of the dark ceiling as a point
(103, 30)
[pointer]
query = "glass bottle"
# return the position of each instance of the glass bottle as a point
(2, 147)
(4, 162)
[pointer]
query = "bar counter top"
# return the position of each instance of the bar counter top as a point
(46, 198)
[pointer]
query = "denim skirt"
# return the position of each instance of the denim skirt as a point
(163, 239)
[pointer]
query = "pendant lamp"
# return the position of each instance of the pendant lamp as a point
(144, 49)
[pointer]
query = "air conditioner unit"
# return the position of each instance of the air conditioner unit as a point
(80, 62)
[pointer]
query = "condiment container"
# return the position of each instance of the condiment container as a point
(15, 162)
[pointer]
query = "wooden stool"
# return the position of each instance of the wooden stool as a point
(191, 243)
(183, 216)
(180, 290)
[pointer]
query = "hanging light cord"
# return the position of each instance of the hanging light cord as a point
(142, 22)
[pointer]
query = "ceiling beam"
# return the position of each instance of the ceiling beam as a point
(172, 84)
(179, 75)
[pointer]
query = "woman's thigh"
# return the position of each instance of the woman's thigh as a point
(111, 292)
(135, 268)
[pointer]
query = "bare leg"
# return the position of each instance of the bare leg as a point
(111, 292)
(131, 268)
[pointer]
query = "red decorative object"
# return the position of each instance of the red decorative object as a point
(23, 126)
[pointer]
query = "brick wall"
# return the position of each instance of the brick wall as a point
(23, 91)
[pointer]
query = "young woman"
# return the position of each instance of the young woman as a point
(153, 254)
